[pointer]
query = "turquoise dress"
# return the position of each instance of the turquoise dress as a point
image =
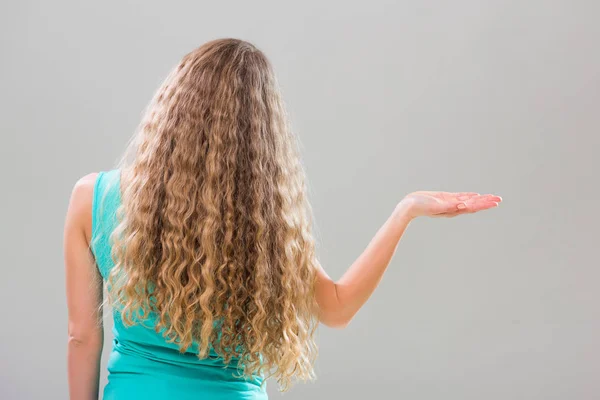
(142, 365)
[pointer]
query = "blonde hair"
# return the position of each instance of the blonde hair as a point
(215, 226)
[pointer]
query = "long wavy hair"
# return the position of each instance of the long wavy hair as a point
(214, 227)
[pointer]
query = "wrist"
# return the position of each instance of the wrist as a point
(403, 211)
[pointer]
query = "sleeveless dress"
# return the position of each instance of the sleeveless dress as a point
(142, 364)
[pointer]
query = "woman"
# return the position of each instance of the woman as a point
(202, 233)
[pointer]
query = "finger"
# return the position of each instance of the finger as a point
(457, 196)
(480, 206)
(466, 196)
(485, 198)
(453, 196)
(473, 205)
(452, 207)
(489, 196)
(480, 198)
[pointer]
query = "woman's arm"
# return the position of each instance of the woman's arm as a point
(340, 301)
(84, 295)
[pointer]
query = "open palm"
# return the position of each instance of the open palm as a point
(449, 204)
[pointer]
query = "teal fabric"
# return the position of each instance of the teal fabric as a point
(142, 364)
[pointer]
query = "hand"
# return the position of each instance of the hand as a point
(446, 204)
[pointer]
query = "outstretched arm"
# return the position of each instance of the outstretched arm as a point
(340, 301)
(84, 296)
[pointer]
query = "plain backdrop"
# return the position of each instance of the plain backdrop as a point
(387, 97)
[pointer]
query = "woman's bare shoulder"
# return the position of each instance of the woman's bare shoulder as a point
(80, 203)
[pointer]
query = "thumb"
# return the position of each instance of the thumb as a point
(458, 206)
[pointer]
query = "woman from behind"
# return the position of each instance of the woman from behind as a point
(202, 234)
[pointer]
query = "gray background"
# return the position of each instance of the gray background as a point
(387, 97)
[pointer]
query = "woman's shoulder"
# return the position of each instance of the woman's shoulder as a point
(80, 203)
(88, 194)
(85, 184)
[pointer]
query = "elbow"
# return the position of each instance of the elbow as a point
(91, 338)
(338, 324)
(77, 342)
(334, 312)
(335, 321)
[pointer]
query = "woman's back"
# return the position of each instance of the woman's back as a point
(204, 239)
(143, 364)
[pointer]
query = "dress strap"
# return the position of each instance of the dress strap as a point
(106, 199)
